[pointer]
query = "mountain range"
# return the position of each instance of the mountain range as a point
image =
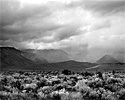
(46, 55)
(52, 59)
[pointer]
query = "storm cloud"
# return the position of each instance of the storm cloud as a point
(87, 27)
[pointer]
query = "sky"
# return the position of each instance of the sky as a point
(87, 29)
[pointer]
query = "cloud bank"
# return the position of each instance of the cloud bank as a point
(81, 27)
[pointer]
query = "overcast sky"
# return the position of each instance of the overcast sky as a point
(90, 27)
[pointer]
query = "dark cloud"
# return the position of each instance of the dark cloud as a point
(11, 11)
(17, 20)
(67, 31)
(61, 33)
(31, 22)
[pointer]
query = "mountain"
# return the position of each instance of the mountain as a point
(107, 63)
(107, 59)
(11, 58)
(46, 55)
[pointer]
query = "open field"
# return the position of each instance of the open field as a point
(65, 85)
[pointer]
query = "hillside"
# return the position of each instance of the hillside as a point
(11, 58)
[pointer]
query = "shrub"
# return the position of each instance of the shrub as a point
(122, 94)
(66, 72)
(56, 96)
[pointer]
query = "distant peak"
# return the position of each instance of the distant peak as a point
(107, 59)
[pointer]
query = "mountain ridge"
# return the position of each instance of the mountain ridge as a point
(11, 58)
